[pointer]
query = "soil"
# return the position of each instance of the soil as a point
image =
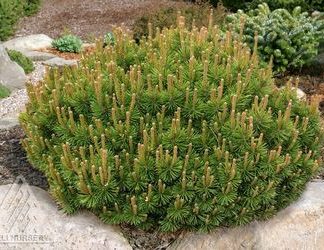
(68, 55)
(13, 160)
(150, 240)
(88, 19)
(312, 83)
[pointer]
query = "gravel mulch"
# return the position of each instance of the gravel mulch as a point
(88, 19)
(15, 103)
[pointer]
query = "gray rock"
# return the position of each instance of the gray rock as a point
(301, 94)
(31, 220)
(299, 226)
(37, 55)
(316, 13)
(60, 62)
(88, 45)
(11, 74)
(9, 121)
(31, 42)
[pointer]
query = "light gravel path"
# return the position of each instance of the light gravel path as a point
(15, 103)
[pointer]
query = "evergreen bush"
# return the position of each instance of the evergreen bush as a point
(31, 6)
(234, 5)
(184, 130)
(21, 60)
(290, 5)
(68, 43)
(292, 39)
(10, 12)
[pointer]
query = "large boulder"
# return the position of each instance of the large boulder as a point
(31, 42)
(31, 220)
(11, 74)
(299, 226)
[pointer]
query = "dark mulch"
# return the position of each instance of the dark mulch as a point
(88, 18)
(311, 81)
(69, 55)
(148, 240)
(13, 160)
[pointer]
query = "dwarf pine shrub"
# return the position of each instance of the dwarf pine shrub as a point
(181, 131)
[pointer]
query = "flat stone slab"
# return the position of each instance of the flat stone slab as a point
(37, 56)
(31, 42)
(11, 74)
(60, 62)
(29, 219)
(88, 45)
(299, 226)
(9, 122)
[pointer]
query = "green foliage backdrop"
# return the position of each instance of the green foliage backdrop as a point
(11, 11)
(306, 5)
(291, 38)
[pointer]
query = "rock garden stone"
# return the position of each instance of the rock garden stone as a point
(59, 62)
(11, 74)
(299, 226)
(88, 45)
(31, 42)
(301, 94)
(37, 55)
(28, 215)
(9, 121)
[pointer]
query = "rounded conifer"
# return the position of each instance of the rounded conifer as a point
(185, 130)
